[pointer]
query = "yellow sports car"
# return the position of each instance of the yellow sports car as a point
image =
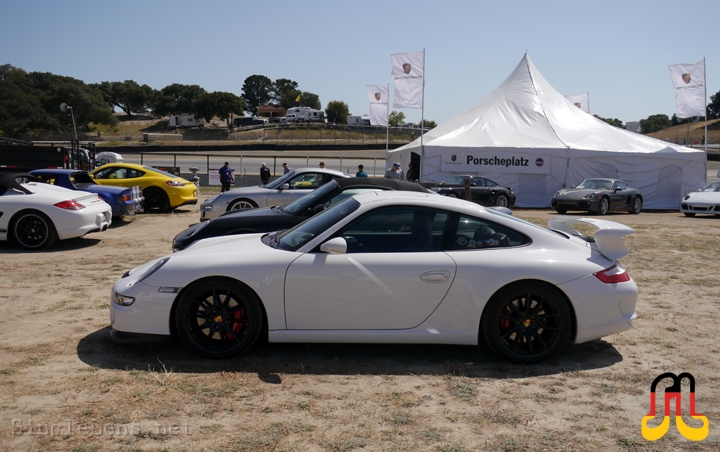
(163, 191)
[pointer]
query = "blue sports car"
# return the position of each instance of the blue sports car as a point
(123, 200)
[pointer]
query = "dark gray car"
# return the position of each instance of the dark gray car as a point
(599, 195)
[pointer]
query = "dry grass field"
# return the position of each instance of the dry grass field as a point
(64, 384)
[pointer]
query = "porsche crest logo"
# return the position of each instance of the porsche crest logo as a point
(453, 157)
(687, 78)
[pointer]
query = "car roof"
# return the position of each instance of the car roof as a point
(56, 171)
(8, 180)
(320, 170)
(392, 184)
(428, 198)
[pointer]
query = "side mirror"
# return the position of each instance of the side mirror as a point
(285, 187)
(319, 208)
(338, 245)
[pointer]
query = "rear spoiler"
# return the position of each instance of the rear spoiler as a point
(608, 236)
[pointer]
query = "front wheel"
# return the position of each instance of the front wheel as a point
(689, 214)
(156, 200)
(451, 195)
(502, 201)
(604, 206)
(636, 206)
(526, 322)
(561, 211)
(218, 318)
(241, 204)
(33, 230)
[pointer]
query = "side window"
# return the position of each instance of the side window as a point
(307, 180)
(130, 173)
(396, 230)
(475, 233)
(348, 193)
(478, 181)
(105, 174)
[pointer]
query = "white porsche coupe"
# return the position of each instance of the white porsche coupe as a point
(705, 201)
(34, 214)
(388, 267)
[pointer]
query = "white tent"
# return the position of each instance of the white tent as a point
(527, 136)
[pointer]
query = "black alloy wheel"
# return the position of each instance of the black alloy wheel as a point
(526, 322)
(604, 207)
(218, 318)
(33, 230)
(636, 206)
(502, 201)
(156, 200)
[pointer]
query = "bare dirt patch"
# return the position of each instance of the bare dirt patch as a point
(64, 384)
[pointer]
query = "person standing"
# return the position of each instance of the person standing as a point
(264, 174)
(286, 168)
(361, 172)
(322, 164)
(394, 172)
(412, 173)
(226, 177)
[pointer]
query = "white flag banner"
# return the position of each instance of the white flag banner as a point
(378, 97)
(407, 71)
(378, 115)
(581, 101)
(689, 84)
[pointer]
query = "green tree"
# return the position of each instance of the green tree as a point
(310, 100)
(713, 108)
(128, 96)
(395, 118)
(613, 122)
(337, 111)
(428, 124)
(221, 104)
(654, 123)
(257, 90)
(281, 88)
(20, 107)
(176, 99)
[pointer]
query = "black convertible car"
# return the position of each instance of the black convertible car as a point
(484, 191)
(598, 195)
(269, 219)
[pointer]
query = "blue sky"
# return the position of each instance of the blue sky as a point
(618, 51)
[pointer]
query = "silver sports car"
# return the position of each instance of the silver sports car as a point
(280, 192)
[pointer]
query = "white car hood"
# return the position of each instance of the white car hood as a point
(704, 196)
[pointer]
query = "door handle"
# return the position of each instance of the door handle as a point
(439, 276)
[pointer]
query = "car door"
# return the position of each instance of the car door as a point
(299, 186)
(481, 194)
(619, 195)
(392, 276)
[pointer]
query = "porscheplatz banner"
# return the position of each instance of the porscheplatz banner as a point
(489, 160)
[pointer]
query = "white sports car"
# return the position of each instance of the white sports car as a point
(387, 267)
(34, 214)
(705, 201)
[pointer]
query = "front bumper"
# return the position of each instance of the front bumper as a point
(575, 204)
(700, 208)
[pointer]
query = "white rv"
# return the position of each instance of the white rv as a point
(305, 114)
(358, 120)
(183, 121)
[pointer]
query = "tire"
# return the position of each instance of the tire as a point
(561, 211)
(451, 195)
(604, 206)
(156, 200)
(636, 206)
(33, 230)
(689, 214)
(241, 204)
(218, 318)
(502, 201)
(526, 333)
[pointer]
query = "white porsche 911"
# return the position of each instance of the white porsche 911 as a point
(34, 214)
(387, 267)
(705, 201)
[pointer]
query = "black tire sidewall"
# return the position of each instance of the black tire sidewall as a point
(51, 235)
(164, 204)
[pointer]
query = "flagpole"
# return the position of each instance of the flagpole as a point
(387, 121)
(705, 139)
(422, 126)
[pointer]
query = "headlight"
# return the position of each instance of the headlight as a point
(122, 300)
(591, 196)
(556, 195)
(210, 199)
(686, 197)
(155, 267)
(198, 228)
(435, 189)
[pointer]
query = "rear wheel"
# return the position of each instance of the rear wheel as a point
(561, 211)
(502, 201)
(604, 207)
(241, 204)
(689, 214)
(526, 322)
(156, 200)
(451, 195)
(33, 230)
(636, 206)
(218, 318)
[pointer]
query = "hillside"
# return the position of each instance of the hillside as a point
(693, 130)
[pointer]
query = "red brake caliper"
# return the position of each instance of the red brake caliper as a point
(236, 326)
(505, 323)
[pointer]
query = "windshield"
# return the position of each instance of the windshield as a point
(595, 184)
(278, 182)
(294, 238)
(715, 186)
(311, 199)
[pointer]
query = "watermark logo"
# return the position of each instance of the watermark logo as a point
(673, 393)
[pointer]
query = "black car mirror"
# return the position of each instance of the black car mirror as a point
(319, 208)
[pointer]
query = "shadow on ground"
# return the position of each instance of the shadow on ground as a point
(270, 360)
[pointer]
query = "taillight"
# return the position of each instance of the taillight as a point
(124, 198)
(70, 205)
(613, 275)
(174, 183)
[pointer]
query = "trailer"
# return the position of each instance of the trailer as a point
(184, 121)
(358, 120)
(305, 114)
(24, 156)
